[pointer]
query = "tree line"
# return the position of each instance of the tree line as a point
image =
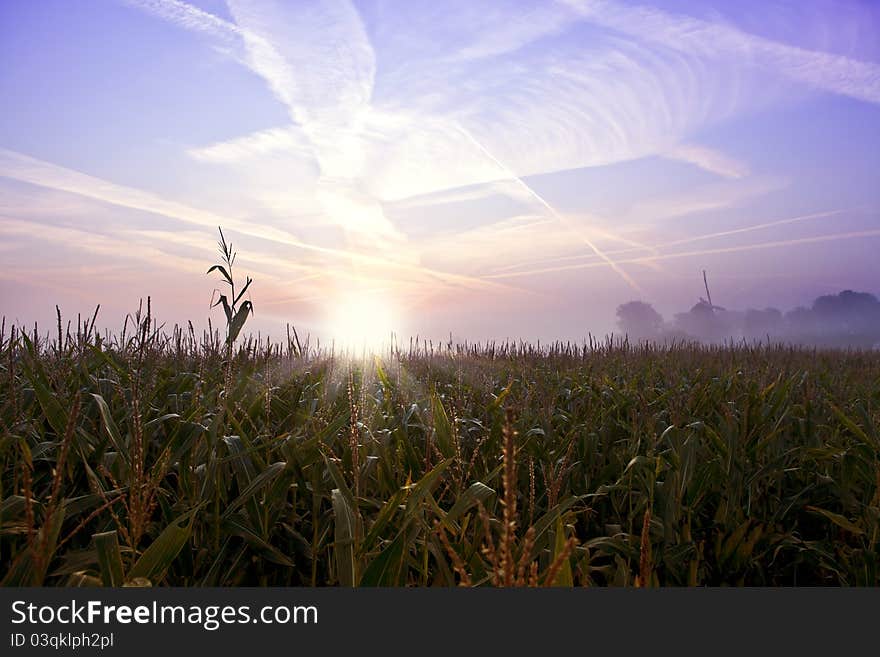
(846, 319)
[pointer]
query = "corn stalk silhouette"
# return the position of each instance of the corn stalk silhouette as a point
(235, 316)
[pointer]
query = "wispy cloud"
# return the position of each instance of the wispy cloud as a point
(660, 246)
(648, 219)
(581, 103)
(38, 172)
(653, 210)
(774, 244)
(125, 254)
(317, 59)
(31, 170)
(511, 239)
(255, 145)
(510, 26)
(315, 55)
(556, 215)
(189, 17)
(584, 102)
(715, 40)
(709, 159)
(458, 195)
(91, 242)
(384, 135)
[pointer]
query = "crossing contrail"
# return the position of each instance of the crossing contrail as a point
(552, 211)
(686, 254)
(690, 240)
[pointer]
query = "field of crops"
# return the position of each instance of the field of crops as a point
(153, 459)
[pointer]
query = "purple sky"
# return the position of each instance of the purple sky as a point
(490, 170)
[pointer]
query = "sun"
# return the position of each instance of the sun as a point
(362, 321)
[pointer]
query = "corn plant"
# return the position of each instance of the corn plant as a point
(235, 316)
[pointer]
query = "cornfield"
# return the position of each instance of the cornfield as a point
(153, 458)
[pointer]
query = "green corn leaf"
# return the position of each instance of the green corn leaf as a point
(157, 558)
(837, 519)
(442, 427)
(237, 322)
(243, 290)
(21, 571)
(109, 558)
(499, 400)
(385, 569)
(344, 548)
(857, 431)
(237, 527)
(420, 489)
(339, 480)
(564, 575)
(256, 485)
(111, 429)
(475, 494)
(382, 375)
(386, 513)
(48, 400)
(222, 270)
(226, 309)
(550, 518)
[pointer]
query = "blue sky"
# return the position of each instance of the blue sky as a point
(490, 170)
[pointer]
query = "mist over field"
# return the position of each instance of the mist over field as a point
(845, 320)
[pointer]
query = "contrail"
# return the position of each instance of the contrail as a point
(699, 238)
(25, 168)
(686, 254)
(633, 244)
(531, 192)
(747, 229)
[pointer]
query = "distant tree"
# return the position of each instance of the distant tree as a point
(849, 312)
(701, 321)
(639, 320)
(799, 320)
(845, 319)
(848, 318)
(846, 302)
(761, 323)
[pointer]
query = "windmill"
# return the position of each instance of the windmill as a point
(707, 302)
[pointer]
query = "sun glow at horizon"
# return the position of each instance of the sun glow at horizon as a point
(362, 321)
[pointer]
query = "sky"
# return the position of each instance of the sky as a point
(485, 170)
